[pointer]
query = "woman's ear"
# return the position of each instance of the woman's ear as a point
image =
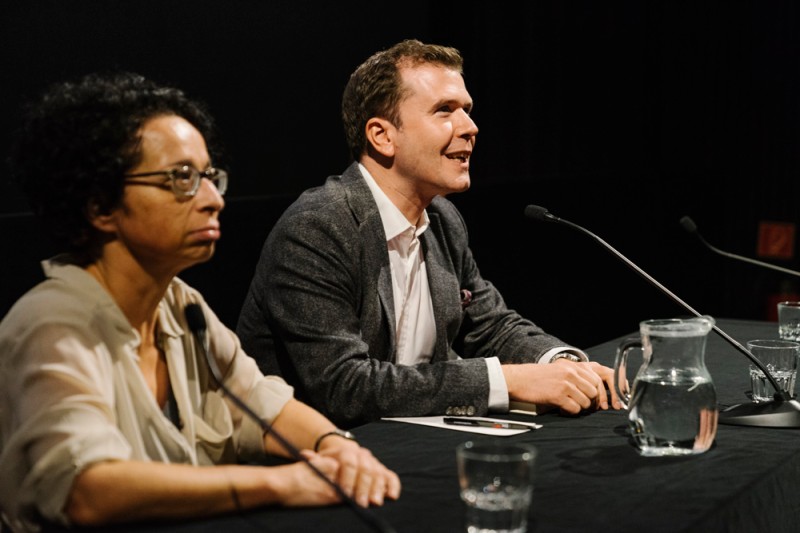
(101, 219)
(381, 136)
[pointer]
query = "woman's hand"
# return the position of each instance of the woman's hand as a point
(360, 474)
(296, 485)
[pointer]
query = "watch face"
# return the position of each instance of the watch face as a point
(568, 356)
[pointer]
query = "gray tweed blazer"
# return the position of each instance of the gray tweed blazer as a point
(320, 311)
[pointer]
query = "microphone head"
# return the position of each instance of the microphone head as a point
(688, 224)
(195, 318)
(537, 213)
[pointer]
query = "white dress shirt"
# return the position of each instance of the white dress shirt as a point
(413, 307)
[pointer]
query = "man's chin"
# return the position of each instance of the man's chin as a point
(451, 186)
(462, 184)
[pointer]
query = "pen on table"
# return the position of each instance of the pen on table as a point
(477, 422)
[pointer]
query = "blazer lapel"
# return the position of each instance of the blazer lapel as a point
(365, 211)
(444, 289)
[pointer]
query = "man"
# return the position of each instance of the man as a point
(366, 296)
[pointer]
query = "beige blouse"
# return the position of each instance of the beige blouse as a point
(71, 392)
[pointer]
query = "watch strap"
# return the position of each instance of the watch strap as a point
(338, 432)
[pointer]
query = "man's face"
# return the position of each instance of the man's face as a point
(434, 143)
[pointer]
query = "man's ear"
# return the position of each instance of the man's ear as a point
(381, 136)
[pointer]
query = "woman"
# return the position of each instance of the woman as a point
(110, 412)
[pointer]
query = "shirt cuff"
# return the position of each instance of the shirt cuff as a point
(498, 389)
(548, 356)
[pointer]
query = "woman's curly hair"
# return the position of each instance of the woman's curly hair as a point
(79, 139)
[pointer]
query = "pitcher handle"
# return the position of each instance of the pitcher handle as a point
(620, 368)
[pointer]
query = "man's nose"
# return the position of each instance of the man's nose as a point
(467, 126)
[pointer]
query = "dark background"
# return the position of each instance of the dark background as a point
(619, 116)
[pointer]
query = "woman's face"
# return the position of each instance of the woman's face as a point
(157, 229)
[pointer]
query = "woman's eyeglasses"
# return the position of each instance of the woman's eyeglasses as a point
(184, 180)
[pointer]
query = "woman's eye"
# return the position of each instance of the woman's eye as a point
(183, 174)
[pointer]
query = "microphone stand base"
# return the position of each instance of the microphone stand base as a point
(774, 414)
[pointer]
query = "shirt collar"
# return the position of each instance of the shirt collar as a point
(394, 222)
(62, 268)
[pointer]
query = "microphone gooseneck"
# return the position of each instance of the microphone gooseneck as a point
(781, 412)
(196, 321)
(689, 225)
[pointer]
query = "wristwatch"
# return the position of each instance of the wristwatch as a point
(565, 355)
(339, 432)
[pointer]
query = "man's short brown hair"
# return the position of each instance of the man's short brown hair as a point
(375, 89)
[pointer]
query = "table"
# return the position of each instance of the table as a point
(588, 476)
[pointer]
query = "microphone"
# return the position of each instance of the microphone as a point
(689, 225)
(197, 324)
(780, 412)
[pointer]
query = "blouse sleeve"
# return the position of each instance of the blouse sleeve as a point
(59, 417)
(265, 395)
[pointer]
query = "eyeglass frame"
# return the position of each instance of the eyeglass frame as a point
(217, 176)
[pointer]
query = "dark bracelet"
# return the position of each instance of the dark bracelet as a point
(338, 432)
(234, 494)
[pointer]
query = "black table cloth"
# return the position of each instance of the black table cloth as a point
(588, 475)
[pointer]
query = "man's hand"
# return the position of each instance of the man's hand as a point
(570, 386)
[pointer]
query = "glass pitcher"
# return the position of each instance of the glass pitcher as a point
(672, 404)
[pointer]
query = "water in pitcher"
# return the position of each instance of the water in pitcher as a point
(673, 413)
